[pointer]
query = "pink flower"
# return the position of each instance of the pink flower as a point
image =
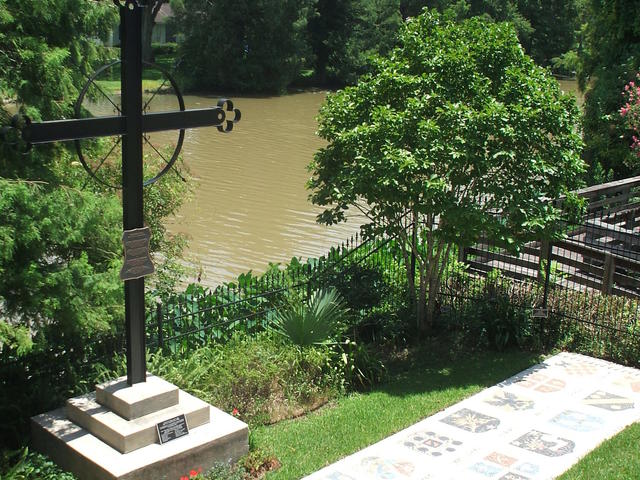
(235, 412)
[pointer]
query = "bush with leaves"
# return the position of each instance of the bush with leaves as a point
(630, 112)
(24, 465)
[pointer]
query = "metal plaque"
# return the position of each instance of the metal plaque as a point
(137, 261)
(540, 313)
(173, 428)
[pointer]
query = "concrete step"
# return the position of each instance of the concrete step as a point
(137, 400)
(129, 435)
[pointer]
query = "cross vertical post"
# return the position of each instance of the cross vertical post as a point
(132, 181)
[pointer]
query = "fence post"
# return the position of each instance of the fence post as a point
(609, 271)
(159, 321)
(544, 259)
(630, 221)
(414, 239)
(546, 247)
(462, 254)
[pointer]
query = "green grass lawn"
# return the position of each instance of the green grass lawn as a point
(420, 387)
(616, 459)
(151, 78)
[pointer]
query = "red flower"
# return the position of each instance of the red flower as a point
(235, 412)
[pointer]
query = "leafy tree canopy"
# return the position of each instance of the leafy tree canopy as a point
(546, 28)
(457, 126)
(610, 58)
(246, 45)
(47, 47)
(346, 33)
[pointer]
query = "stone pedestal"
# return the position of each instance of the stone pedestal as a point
(111, 434)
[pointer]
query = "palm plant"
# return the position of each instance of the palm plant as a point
(315, 322)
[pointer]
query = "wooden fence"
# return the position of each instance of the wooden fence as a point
(601, 253)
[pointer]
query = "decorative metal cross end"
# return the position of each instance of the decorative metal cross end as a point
(131, 124)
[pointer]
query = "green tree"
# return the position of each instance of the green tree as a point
(547, 29)
(609, 58)
(459, 128)
(57, 277)
(553, 27)
(345, 34)
(243, 45)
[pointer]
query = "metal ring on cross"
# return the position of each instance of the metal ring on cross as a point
(103, 167)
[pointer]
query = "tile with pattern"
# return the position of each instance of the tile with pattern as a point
(528, 468)
(501, 459)
(471, 421)
(387, 468)
(513, 476)
(431, 443)
(608, 401)
(578, 421)
(629, 381)
(544, 444)
(485, 469)
(578, 368)
(542, 383)
(338, 476)
(509, 401)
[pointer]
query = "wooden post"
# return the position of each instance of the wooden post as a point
(609, 271)
(543, 259)
(462, 254)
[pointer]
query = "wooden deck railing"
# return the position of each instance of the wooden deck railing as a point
(602, 253)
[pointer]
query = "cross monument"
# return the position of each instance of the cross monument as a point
(131, 124)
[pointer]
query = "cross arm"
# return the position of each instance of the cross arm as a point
(76, 129)
(203, 117)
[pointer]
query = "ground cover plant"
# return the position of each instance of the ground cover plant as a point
(260, 380)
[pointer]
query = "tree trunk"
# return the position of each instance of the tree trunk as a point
(149, 15)
(431, 305)
(147, 32)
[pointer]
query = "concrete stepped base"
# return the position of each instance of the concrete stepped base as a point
(138, 400)
(94, 442)
(224, 439)
(129, 435)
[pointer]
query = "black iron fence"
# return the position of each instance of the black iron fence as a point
(588, 283)
(200, 315)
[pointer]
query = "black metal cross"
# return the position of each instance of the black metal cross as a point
(132, 124)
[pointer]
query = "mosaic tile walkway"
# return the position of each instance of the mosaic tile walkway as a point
(532, 426)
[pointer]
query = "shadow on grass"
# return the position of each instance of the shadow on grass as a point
(422, 381)
(431, 368)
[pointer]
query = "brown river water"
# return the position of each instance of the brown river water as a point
(250, 205)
